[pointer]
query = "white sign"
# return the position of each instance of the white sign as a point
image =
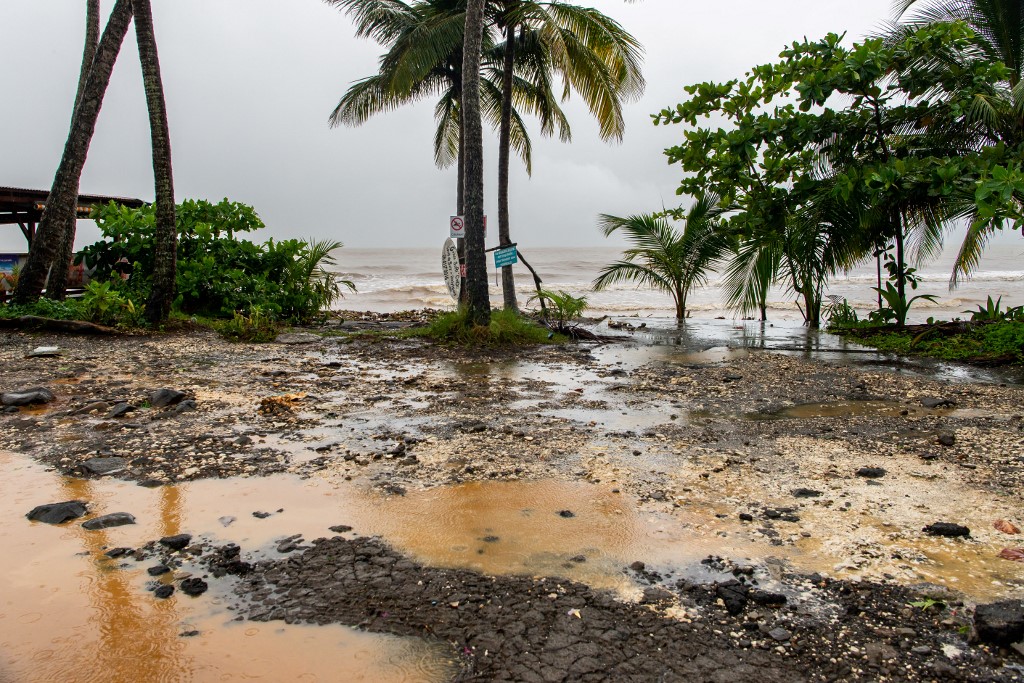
(450, 268)
(458, 227)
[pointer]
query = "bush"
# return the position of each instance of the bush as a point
(218, 274)
(70, 309)
(255, 327)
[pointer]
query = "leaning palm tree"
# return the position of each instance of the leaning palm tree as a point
(665, 259)
(591, 52)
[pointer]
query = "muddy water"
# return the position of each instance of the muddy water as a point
(69, 613)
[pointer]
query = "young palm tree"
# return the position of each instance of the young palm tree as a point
(665, 259)
(62, 202)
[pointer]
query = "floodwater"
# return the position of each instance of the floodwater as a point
(68, 613)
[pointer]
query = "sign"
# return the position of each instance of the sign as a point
(506, 257)
(457, 227)
(450, 268)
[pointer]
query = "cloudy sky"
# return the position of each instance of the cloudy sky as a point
(250, 84)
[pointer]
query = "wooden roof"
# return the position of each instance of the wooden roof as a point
(20, 205)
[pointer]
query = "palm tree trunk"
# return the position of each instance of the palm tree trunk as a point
(476, 265)
(63, 200)
(165, 247)
(58, 284)
(508, 282)
(460, 197)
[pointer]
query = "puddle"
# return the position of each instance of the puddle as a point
(616, 419)
(67, 614)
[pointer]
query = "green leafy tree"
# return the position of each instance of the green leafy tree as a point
(664, 258)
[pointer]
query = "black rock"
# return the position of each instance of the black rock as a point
(746, 517)
(26, 397)
(638, 566)
(164, 592)
(1000, 623)
(120, 410)
(194, 587)
(340, 528)
(158, 570)
(58, 513)
(734, 595)
(118, 552)
(186, 407)
(261, 515)
(566, 513)
(806, 493)
(161, 398)
(947, 529)
(654, 595)
(151, 483)
(177, 542)
(946, 439)
(108, 521)
(578, 559)
(491, 539)
(871, 472)
(766, 598)
(932, 402)
(772, 514)
(103, 466)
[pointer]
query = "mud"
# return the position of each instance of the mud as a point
(461, 461)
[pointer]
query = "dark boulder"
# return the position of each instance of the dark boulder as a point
(806, 493)
(109, 521)
(947, 529)
(164, 592)
(27, 397)
(734, 595)
(194, 587)
(161, 398)
(58, 513)
(102, 466)
(177, 542)
(871, 472)
(1000, 623)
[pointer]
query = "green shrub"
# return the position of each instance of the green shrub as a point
(103, 303)
(218, 274)
(69, 309)
(256, 327)
(506, 328)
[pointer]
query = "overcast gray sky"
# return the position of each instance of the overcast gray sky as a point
(250, 84)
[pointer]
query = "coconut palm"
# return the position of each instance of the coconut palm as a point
(594, 56)
(662, 257)
(61, 205)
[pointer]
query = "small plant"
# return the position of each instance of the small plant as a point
(897, 306)
(506, 328)
(992, 312)
(561, 305)
(257, 327)
(103, 303)
(840, 313)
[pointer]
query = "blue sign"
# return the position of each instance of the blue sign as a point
(8, 262)
(505, 257)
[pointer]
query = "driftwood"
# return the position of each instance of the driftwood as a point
(36, 323)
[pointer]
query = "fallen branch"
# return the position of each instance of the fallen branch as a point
(35, 323)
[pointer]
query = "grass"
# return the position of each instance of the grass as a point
(69, 309)
(984, 343)
(507, 328)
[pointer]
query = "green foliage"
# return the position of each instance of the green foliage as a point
(69, 309)
(897, 305)
(840, 314)
(998, 342)
(507, 328)
(103, 303)
(256, 327)
(564, 306)
(217, 273)
(992, 311)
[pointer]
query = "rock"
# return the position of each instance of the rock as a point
(108, 521)
(158, 570)
(567, 514)
(103, 466)
(871, 472)
(921, 650)
(946, 439)
(44, 352)
(164, 592)
(185, 406)
(638, 566)
(1012, 554)
(806, 493)
(767, 598)
(27, 397)
(243, 441)
(654, 595)
(340, 528)
(1000, 623)
(933, 402)
(161, 398)
(94, 407)
(298, 338)
(1005, 527)
(746, 517)
(176, 542)
(260, 515)
(194, 587)
(120, 410)
(780, 634)
(116, 553)
(876, 653)
(947, 529)
(58, 513)
(734, 595)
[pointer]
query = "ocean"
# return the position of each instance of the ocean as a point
(391, 280)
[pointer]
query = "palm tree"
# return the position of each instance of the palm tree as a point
(663, 258)
(57, 285)
(478, 301)
(161, 295)
(594, 56)
(61, 205)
